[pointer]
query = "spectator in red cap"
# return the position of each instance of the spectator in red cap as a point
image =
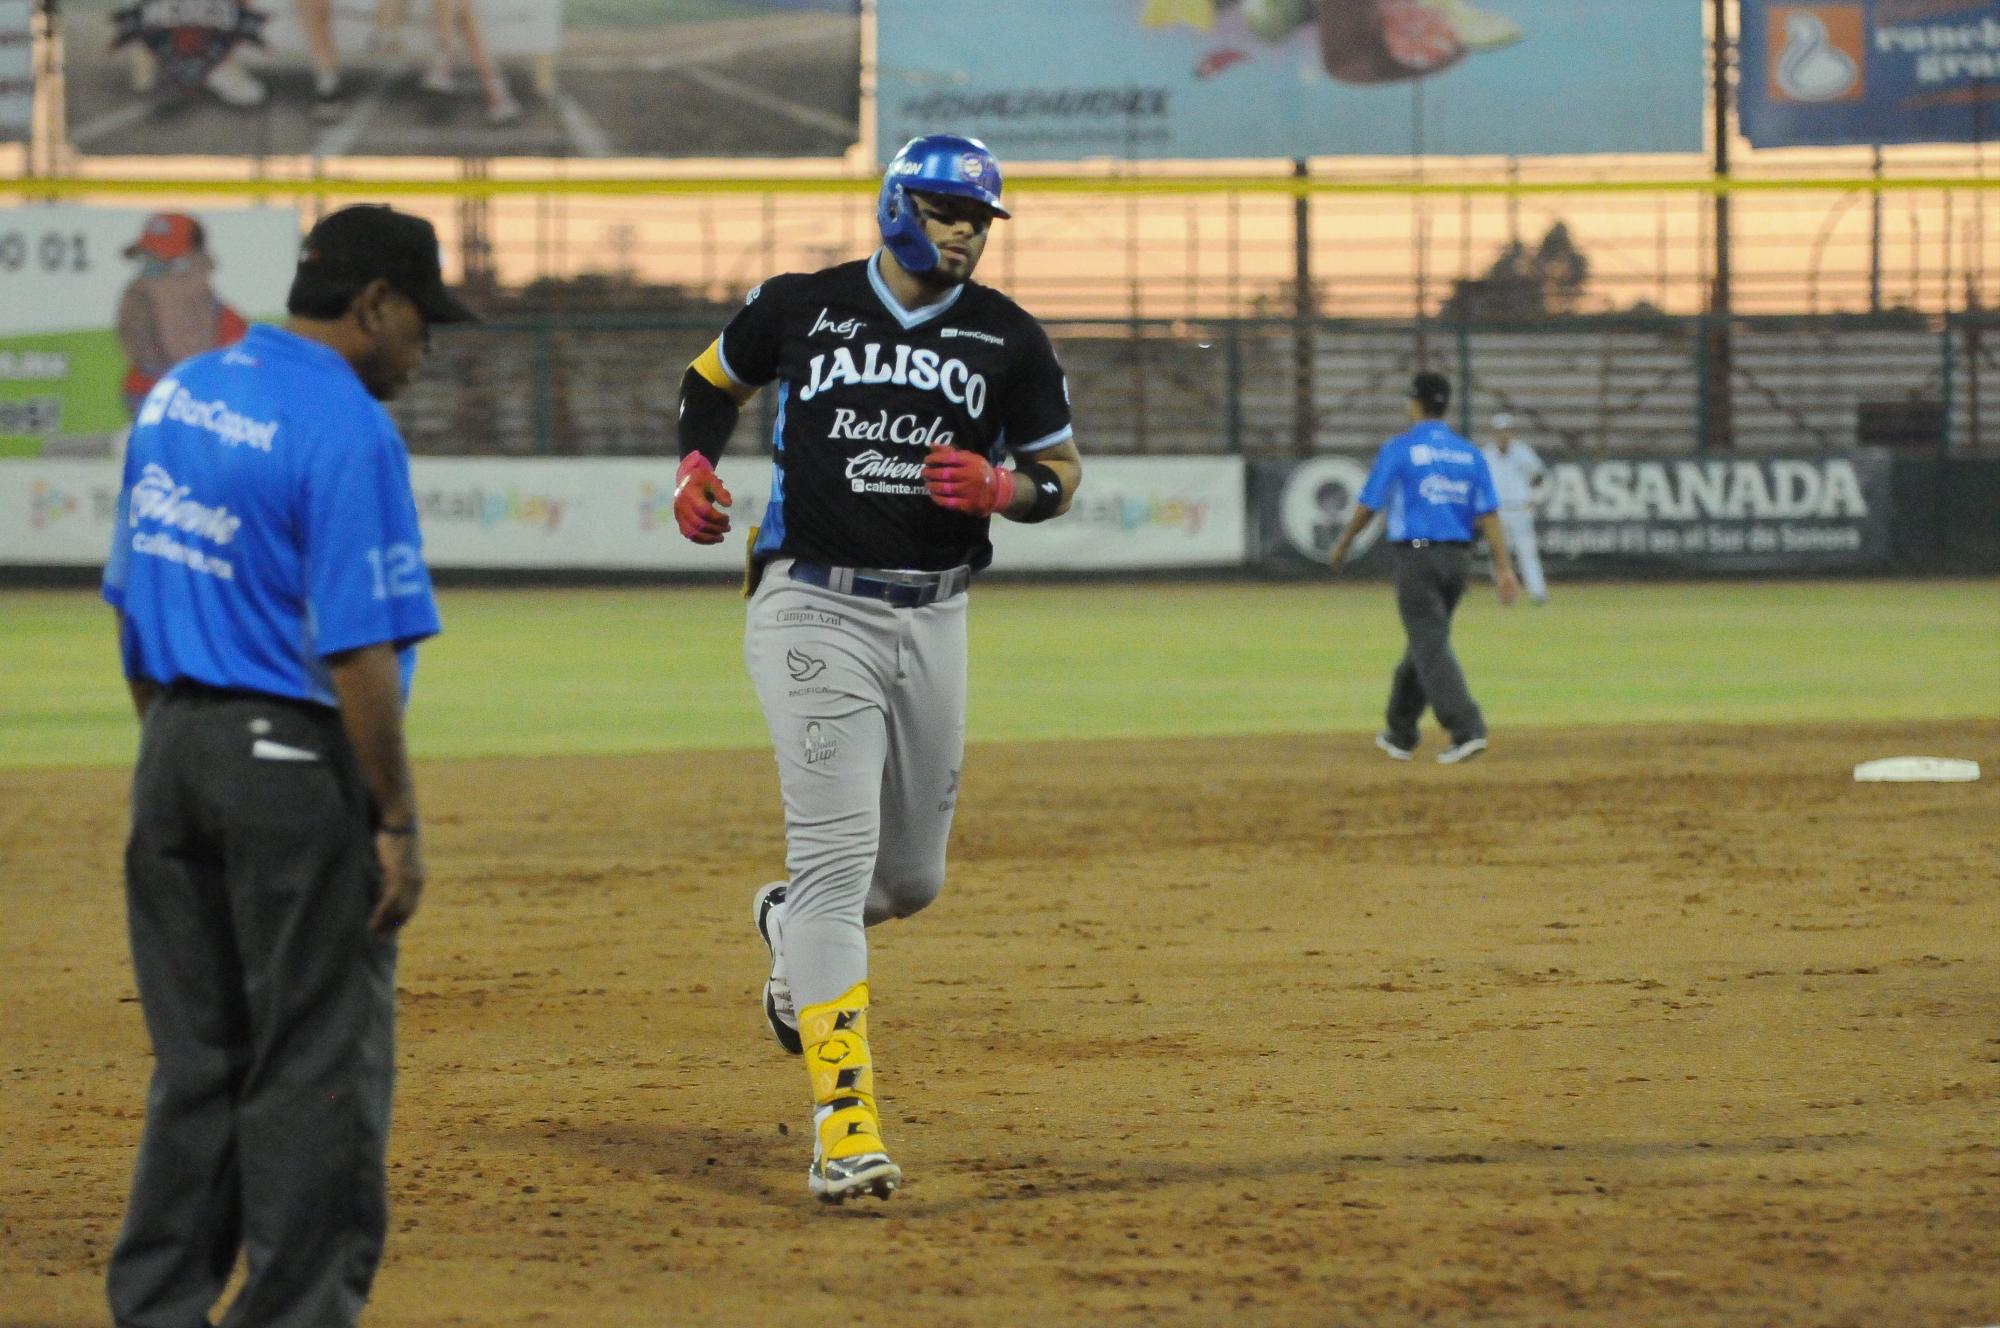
(168, 311)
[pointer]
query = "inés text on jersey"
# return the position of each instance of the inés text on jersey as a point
(921, 368)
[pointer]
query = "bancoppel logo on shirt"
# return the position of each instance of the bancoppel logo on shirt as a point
(1427, 454)
(170, 401)
(155, 408)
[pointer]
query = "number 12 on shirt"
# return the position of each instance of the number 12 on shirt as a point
(398, 571)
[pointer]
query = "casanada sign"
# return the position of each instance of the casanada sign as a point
(1696, 514)
(1823, 490)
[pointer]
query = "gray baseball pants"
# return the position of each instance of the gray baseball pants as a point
(249, 881)
(866, 707)
(1430, 581)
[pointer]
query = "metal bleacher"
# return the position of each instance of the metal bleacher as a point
(597, 386)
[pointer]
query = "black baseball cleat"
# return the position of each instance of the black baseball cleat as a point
(779, 1010)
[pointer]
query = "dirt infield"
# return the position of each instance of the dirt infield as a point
(1619, 1027)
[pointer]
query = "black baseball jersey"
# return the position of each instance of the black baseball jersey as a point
(865, 389)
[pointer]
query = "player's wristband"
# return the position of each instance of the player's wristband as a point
(1048, 490)
(407, 828)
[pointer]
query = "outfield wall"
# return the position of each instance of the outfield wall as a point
(1865, 511)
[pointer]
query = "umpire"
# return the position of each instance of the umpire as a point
(270, 586)
(1436, 489)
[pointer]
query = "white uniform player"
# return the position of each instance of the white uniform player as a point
(1515, 469)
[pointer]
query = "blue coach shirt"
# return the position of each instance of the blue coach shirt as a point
(265, 521)
(1430, 484)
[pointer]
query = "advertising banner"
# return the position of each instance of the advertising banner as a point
(1870, 71)
(1824, 512)
(464, 78)
(617, 515)
(95, 303)
(1133, 513)
(1291, 78)
(17, 70)
(57, 513)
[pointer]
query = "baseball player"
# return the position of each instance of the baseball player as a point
(1515, 469)
(270, 586)
(1437, 490)
(902, 386)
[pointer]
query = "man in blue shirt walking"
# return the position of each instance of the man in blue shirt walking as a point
(270, 586)
(1437, 491)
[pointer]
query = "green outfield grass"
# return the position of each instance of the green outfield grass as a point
(635, 670)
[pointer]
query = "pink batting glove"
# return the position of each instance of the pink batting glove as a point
(699, 497)
(967, 482)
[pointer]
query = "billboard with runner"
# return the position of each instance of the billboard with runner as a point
(464, 78)
(1870, 71)
(1063, 79)
(99, 302)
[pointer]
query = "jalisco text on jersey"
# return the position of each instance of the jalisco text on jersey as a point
(923, 369)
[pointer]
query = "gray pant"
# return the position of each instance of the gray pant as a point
(249, 881)
(1429, 583)
(866, 707)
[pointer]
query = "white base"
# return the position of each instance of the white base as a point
(1916, 769)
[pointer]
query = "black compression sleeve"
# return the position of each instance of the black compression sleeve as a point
(707, 417)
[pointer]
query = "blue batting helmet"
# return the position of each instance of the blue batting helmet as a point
(933, 164)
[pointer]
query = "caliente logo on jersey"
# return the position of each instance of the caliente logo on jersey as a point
(873, 472)
(923, 369)
(1441, 490)
(157, 498)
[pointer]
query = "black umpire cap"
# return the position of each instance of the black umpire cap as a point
(1432, 391)
(373, 240)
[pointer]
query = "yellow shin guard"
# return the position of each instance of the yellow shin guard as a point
(843, 1080)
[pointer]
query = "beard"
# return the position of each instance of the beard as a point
(943, 278)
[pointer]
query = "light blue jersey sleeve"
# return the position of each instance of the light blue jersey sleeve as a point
(1375, 493)
(366, 580)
